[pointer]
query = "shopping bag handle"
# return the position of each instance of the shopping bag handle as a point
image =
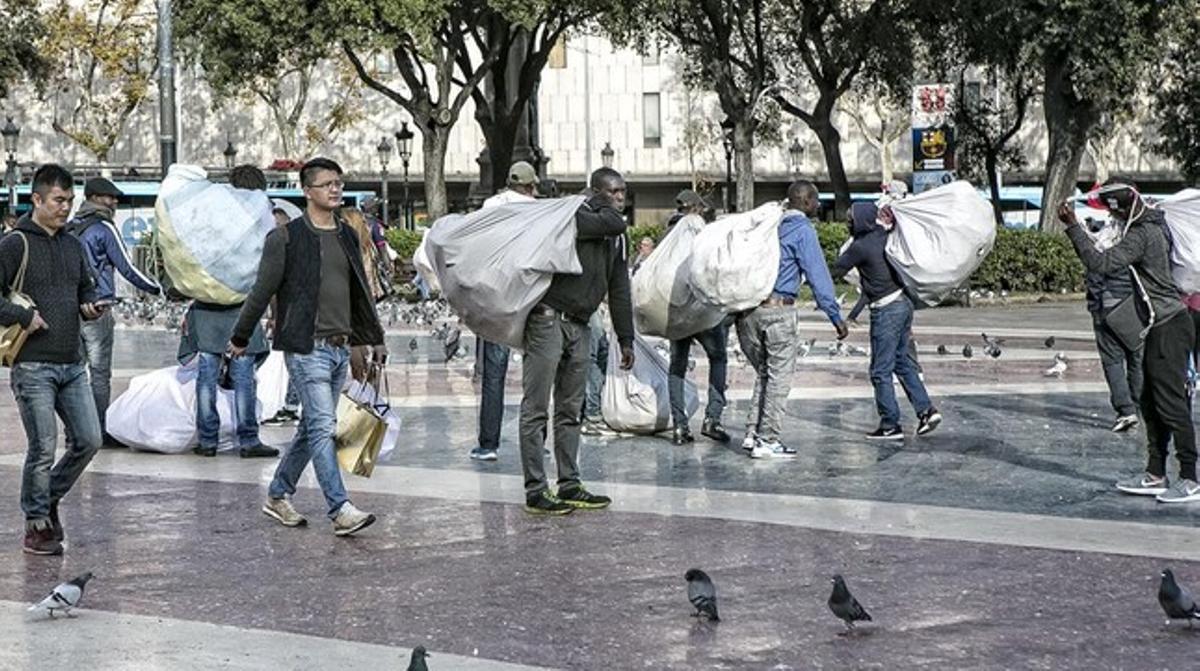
(381, 403)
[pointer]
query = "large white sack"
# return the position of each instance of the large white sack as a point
(424, 266)
(494, 265)
(210, 235)
(157, 413)
(664, 303)
(1183, 218)
(735, 259)
(637, 400)
(941, 237)
(271, 384)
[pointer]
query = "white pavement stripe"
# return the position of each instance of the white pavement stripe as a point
(832, 514)
(100, 640)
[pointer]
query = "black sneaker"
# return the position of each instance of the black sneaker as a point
(881, 433)
(56, 527)
(284, 417)
(578, 497)
(682, 436)
(712, 429)
(258, 451)
(205, 451)
(545, 503)
(929, 421)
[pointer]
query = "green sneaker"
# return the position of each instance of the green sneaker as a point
(578, 497)
(545, 503)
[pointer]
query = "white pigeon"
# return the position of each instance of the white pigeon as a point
(806, 347)
(855, 350)
(1059, 367)
(64, 597)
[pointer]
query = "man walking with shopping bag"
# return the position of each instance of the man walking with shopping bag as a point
(314, 268)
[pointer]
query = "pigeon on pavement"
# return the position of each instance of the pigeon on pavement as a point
(417, 663)
(412, 345)
(968, 351)
(64, 597)
(942, 350)
(1059, 367)
(1049, 342)
(1176, 600)
(450, 340)
(844, 605)
(702, 593)
(992, 346)
(806, 347)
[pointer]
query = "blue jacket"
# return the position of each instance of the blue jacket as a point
(800, 257)
(105, 252)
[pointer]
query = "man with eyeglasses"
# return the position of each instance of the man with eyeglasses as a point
(314, 269)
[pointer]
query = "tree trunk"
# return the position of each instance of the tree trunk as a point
(743, 164)
(435, 140)
(1068, 121)
(831, 145)
(993, 176)
(887, 161)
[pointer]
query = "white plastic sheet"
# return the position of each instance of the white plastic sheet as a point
(272, 384)
(637, 400)
(424, 266)
(664, 303)
(941, 237)
(494, 265)
(735, 260)
(1183, 218)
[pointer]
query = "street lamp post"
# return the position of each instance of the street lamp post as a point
(796, 154)
(404, 138)
(727, 126)
(384, 148)
(11, 132)
(606, 155)
(230, 154)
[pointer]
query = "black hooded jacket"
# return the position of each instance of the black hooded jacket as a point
(868, 254)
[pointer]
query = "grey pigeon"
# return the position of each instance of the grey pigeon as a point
(942, 350)
(702, 593)
(844, 605)
(417, 663)
(992, 346)
(450, 341)
(1049, 342)
(968, 351)
(806, 347)
(1059, 367)
(1175, 600)
(412, 345)
(64, 597)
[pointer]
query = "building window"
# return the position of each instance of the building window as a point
(558, 54)
(651, 120)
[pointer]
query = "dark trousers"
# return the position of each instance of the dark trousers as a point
(494, 364)
(555, 363)
(1122, 370)
(1165, 407)
(714, 343)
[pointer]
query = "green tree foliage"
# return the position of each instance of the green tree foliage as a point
(21, 27)
(1177, 98)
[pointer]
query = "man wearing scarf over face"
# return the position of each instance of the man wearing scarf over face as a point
(1145, 249)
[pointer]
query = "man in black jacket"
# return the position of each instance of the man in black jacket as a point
(1145, 247)
(314, 267)
(48, 376)
(1122, 366)
(557, 345)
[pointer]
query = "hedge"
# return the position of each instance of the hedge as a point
(405, 242)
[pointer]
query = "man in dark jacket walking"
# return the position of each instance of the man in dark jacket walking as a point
(1122, 366)
(314, 267)
(1168, 342)
(891, 325)
(48, 377)
(105, 252)
(557, 346)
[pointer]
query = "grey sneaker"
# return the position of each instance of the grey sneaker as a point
(484, 454)
(772, 449)
(1183, 491)
(1143, 484)
(283, 512)
(595, 427)
(351, 520)
(1125, 423)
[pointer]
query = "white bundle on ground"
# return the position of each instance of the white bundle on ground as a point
(941, 237)
(1183, 218)
(637, 400)
(735, 260)
(494, 265)
(157, 413)
(664, 303)
(211, 235)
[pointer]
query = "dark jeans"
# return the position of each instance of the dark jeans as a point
(1122, 370)
(97, 340)
(714, 342)
(1165, 407)
(556, 360)
(44, 390)
(208, 421)
(891, 326)
(597, 365)
(491, 394)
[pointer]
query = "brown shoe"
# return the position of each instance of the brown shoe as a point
(40, 540)
(55, 525)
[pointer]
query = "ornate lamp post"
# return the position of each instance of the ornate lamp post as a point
(727, 126)
(11, 132)
(606, 155)
(230, 154)
(384, 149)
(404, 138)
(796, 154)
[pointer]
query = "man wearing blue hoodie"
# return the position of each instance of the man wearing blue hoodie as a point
(891, 324)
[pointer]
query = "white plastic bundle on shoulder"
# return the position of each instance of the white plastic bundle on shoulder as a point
(424, 266)
(941, 237)
(637, 400)
(664, 303)
(1182, 211)
(494, 265)
(735, 260)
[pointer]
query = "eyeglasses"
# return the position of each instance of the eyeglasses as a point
(332, 185)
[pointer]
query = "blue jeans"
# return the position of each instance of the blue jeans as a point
(245, 405)
(491, 394)
(97, 339)
(44, 390)
(714, 343)
(890, 328)
(319, 378)
(597, 363)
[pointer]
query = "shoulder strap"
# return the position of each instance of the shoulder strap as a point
(18, 284)
(1145, 299)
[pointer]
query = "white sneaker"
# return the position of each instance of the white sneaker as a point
(772, 450)
(350, 520)
(749, 441)
(283, 512)
(1125, 423)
